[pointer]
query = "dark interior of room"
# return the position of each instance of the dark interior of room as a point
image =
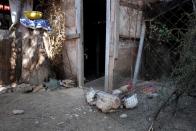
(94, 38)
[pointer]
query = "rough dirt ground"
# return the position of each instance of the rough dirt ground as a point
(66, 110)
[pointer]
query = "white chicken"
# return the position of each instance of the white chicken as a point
(107, 102)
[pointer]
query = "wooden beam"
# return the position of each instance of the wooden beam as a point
(112, 39)
(117, 29)
(80, 48)
(130, 5)
(108, 32)
(73, 36)
(123, 37)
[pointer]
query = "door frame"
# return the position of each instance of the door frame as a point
(112, 39)
(80, 44)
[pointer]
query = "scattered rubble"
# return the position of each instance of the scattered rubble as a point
(109, 127)
(152, 95)
(68, 83)
(150, 89)
(18, 112)
(52, 117)
(52, 84)
(36, 122)
(123, 116)
(90, 110)
(24, 88)
(76, 115)
(60, 123)
(39, 88)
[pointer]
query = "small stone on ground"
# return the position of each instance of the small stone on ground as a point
(18, 112)
(123, 116)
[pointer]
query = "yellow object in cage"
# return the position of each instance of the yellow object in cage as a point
(33, 15)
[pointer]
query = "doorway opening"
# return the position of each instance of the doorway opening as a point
(94, 38)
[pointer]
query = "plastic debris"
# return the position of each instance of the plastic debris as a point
(36, 24)
(52, 84)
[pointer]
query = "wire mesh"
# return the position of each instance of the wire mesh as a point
(166, 23)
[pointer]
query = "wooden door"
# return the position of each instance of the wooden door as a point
(5, 64)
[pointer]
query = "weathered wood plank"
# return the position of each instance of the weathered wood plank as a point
(107, 55)
(123, 37)
(130, 5)
(70, 61)
(130, 22)
(112, 39)
(80, 52)
(73, 36)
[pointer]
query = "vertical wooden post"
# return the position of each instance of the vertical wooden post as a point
(107, 53)
(80, 50)
(112, 39)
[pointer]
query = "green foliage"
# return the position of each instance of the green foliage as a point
(184, 74)
(42, 2)
(161, 32)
